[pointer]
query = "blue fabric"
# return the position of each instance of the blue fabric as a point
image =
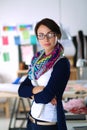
(16, 81)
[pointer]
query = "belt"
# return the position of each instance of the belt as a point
(40, 122)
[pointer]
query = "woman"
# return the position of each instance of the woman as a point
(47, 78)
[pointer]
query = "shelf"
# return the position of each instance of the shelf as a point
(20, 73)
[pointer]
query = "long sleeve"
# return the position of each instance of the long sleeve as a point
(61, 116)
(57, 83)
(25, 89)
(56, 87)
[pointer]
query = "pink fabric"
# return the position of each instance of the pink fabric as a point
(82, 110)
(75, 87)
(76, 106)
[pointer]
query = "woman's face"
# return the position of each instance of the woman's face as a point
(46, 38)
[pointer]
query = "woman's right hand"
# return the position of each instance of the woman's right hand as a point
(37, 89)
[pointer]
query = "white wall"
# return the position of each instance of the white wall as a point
(71, 13)
(25, 11)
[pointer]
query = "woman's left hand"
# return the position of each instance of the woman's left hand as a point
(54, 101)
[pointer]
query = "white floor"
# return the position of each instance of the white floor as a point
(4, 123)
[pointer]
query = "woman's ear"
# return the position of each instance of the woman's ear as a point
(58, 36)
(56, 39)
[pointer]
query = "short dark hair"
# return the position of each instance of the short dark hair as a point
(51, 24)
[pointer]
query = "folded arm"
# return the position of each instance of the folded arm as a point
(56, 84)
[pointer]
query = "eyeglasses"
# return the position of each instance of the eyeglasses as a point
(49, 35)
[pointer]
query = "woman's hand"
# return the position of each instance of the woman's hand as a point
(54, 101)
(37, 89)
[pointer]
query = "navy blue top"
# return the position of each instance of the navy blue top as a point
(55, 87)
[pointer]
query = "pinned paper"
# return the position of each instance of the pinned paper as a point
(33, 39)
(9, 28)
(17, 40)
(25, 35)
(27, 53)
(4, 40)
(25, 27)
(6, 56)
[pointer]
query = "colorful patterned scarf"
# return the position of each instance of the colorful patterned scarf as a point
(42, 63)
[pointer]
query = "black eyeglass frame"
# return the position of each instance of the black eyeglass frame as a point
(49, 35)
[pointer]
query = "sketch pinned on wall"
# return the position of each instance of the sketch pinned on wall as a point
(25, 35)
(17, 40)
(5, 40)
(27, 53)
(33, 39)
(25, 27)
(6, 56)
(9, 28)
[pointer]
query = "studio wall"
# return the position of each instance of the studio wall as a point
(71, 13)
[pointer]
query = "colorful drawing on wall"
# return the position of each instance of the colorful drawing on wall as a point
(27, 53)
(25, 34)
(5, 40)
(33, 40)
(25, 27)
(9, 28)
(17, 40)
(6, 56)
